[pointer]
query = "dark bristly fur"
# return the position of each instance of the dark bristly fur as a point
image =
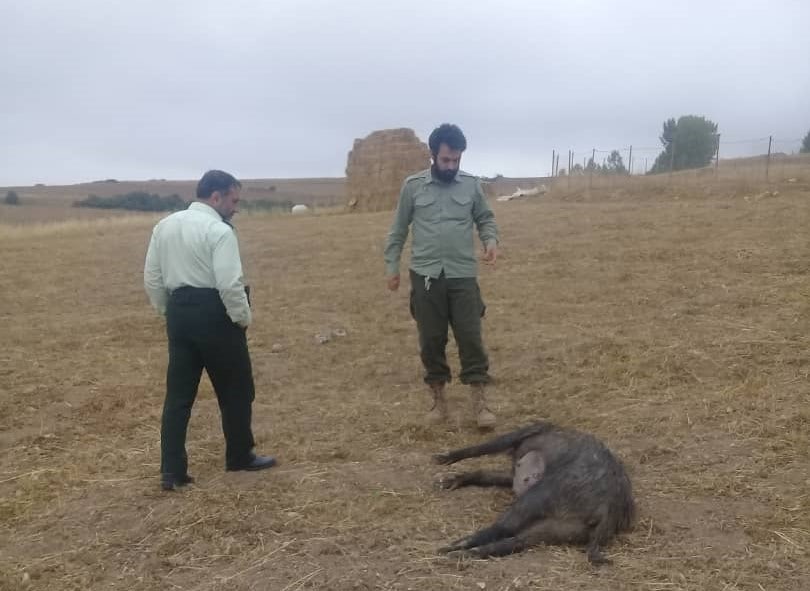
(570, 489)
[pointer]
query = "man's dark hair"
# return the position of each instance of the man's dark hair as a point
(448, 134)
(216, 180)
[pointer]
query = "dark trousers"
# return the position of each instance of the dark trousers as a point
(201, 335)
(456, 303)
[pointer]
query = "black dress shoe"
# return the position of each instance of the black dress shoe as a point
(255, 463)
(172, 482)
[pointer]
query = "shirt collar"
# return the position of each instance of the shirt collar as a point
(431, 179)
(206, 209)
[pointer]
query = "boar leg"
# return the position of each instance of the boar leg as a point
(476, 478)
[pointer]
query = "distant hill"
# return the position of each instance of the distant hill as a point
(315, 191)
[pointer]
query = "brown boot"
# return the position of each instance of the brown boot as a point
(484, 417)
(438, 413)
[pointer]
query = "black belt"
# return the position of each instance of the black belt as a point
(187, 293)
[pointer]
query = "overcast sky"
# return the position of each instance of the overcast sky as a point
(139, 89)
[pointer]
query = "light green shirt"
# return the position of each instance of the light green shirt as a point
(195, 248)
(442, 215)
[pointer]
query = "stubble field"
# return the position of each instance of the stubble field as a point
(671, 322)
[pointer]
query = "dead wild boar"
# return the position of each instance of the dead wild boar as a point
(569, 489)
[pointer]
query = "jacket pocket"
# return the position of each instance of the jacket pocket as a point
(425, 207)
(461, 199)
(423, 200)
(459, 206)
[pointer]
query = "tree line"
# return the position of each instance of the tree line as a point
(691, 141)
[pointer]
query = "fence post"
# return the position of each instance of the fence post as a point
(717, 156)
(630, 162)
(768, 161)
(570, 167)
(593, 165)
(552, 163)
(672, 158)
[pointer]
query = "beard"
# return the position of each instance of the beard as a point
(226, 217)
(446, 176)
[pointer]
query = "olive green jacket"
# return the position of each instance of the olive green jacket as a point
(442, 215)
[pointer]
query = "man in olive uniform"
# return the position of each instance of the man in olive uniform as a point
(193, 276)
(443, 203)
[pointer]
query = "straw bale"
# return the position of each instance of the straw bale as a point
(377, 165)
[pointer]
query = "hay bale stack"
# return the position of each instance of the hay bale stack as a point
(378, 164)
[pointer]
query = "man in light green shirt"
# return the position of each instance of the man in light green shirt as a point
(443, 204)
(193, 277)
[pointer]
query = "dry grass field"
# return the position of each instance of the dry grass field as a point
(671, 320)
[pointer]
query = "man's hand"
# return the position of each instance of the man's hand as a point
(393, 282)
(490, 253)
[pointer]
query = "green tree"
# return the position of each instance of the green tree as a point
(614, 164)
(693, 140)
(806, 144)
(12, 198)
(593, 167)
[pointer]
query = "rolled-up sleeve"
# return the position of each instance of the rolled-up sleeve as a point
(153, 277)
(229, 279)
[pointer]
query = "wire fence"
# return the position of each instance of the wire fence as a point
(640, 159)
(765, 158)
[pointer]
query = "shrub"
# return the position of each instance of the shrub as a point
(135, 201)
